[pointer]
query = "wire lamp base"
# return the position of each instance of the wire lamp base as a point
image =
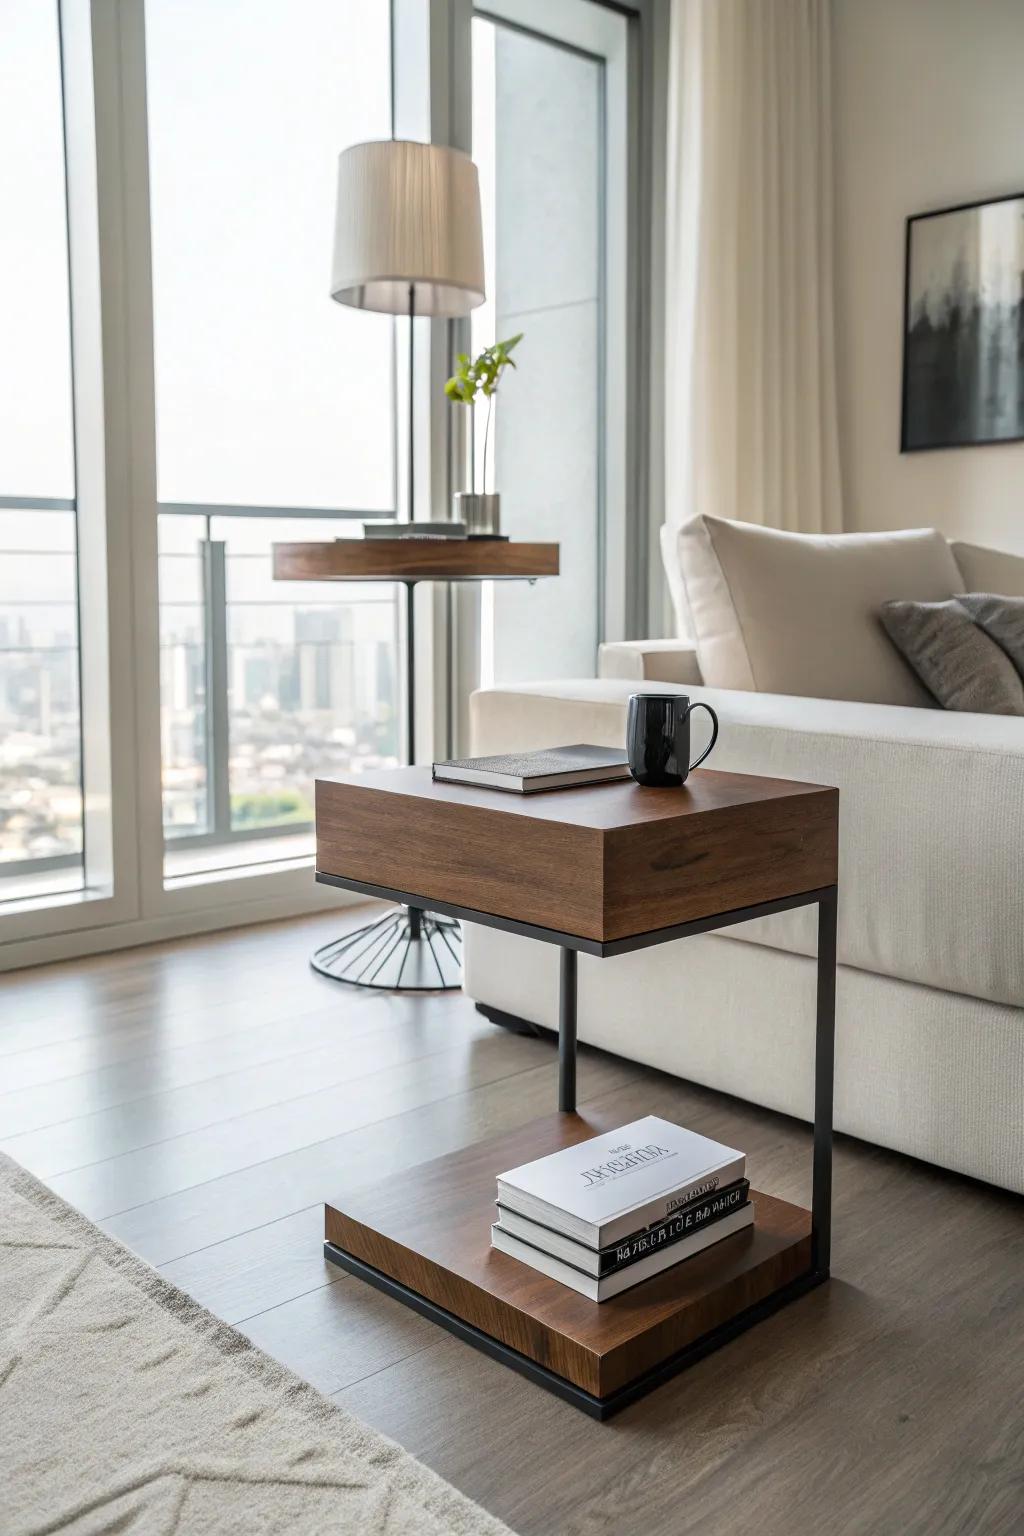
(406, 950)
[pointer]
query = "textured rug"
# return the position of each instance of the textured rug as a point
(125, 1407)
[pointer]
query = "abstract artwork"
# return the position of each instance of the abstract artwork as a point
(963, 344)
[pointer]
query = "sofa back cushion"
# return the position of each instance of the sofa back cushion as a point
(776, 612)
(989, 570)
(674, 577)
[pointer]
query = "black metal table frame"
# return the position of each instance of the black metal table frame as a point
(825, 898)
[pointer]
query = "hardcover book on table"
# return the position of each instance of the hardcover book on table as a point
(424, 530)
(611, 1186)
(664, 1235)
(526, 773)
(604, 1288)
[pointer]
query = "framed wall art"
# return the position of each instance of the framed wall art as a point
(963, 327)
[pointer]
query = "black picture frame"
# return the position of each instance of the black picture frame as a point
(942, 404)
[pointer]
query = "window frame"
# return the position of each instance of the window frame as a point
(631, 584)
(219, 831)
(16, 868)
(109, 888)
(126, 899)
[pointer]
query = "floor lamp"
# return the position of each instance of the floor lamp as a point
(407, 241)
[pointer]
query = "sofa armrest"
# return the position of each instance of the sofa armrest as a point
(657, 661)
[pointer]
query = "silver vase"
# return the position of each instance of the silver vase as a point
(481, 513)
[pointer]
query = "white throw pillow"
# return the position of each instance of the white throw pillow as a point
(989, 570)
(794, 613)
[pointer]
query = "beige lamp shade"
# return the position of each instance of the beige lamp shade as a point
(408, 217)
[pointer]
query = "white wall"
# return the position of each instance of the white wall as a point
(929, 112)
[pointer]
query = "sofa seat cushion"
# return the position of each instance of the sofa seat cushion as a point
(791, 613)
(931, 816)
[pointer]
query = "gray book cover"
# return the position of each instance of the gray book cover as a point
(552, 768)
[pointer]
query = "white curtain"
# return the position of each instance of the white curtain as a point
(751, 404)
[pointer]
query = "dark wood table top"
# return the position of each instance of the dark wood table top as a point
(602, 862)
(415, 560)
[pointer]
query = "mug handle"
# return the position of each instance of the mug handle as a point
(714, 730)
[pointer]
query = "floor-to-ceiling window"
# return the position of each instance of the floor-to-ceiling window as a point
(275, 417)
(40, 718)
(542, 114)
(178, 392)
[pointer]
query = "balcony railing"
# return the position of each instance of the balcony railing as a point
(263, 687)
(40, 715)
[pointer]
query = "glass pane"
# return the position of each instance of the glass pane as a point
(182, 675)
(36, 455)
(40, 714)
(537, 138)
(312, 679)
(268, 394)
(40, 723)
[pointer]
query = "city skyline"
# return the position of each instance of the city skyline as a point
(312, 688)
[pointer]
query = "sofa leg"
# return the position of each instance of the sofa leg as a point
(514, 1023)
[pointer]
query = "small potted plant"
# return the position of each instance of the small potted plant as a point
(481, 510)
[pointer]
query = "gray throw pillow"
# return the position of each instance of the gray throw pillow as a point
(956, 661)
(1002, 619)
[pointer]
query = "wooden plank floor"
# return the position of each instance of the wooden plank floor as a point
(199, 1099)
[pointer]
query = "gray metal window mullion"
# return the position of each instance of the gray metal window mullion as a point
(218, 725)
(37, 503)
(52, 861)
(276, 829)
(211, 509)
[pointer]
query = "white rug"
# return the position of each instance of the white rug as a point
(125, 1407)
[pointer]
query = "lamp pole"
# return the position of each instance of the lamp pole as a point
(407, 217)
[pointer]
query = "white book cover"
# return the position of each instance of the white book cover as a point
(610, 1186)
(635, 1274)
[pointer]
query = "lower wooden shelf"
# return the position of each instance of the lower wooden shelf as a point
(425, 1237)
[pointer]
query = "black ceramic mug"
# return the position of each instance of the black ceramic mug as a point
(658, 738)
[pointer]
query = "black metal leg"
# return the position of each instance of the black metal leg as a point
(824, 1058)
(826, 900)
(567, 1031)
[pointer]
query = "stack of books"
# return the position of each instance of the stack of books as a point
(610, 1212)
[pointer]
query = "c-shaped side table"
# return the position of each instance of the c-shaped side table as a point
(601, 871)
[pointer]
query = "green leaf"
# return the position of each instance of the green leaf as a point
(482, 376)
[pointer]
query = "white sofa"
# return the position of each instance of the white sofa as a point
(930, 1022)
